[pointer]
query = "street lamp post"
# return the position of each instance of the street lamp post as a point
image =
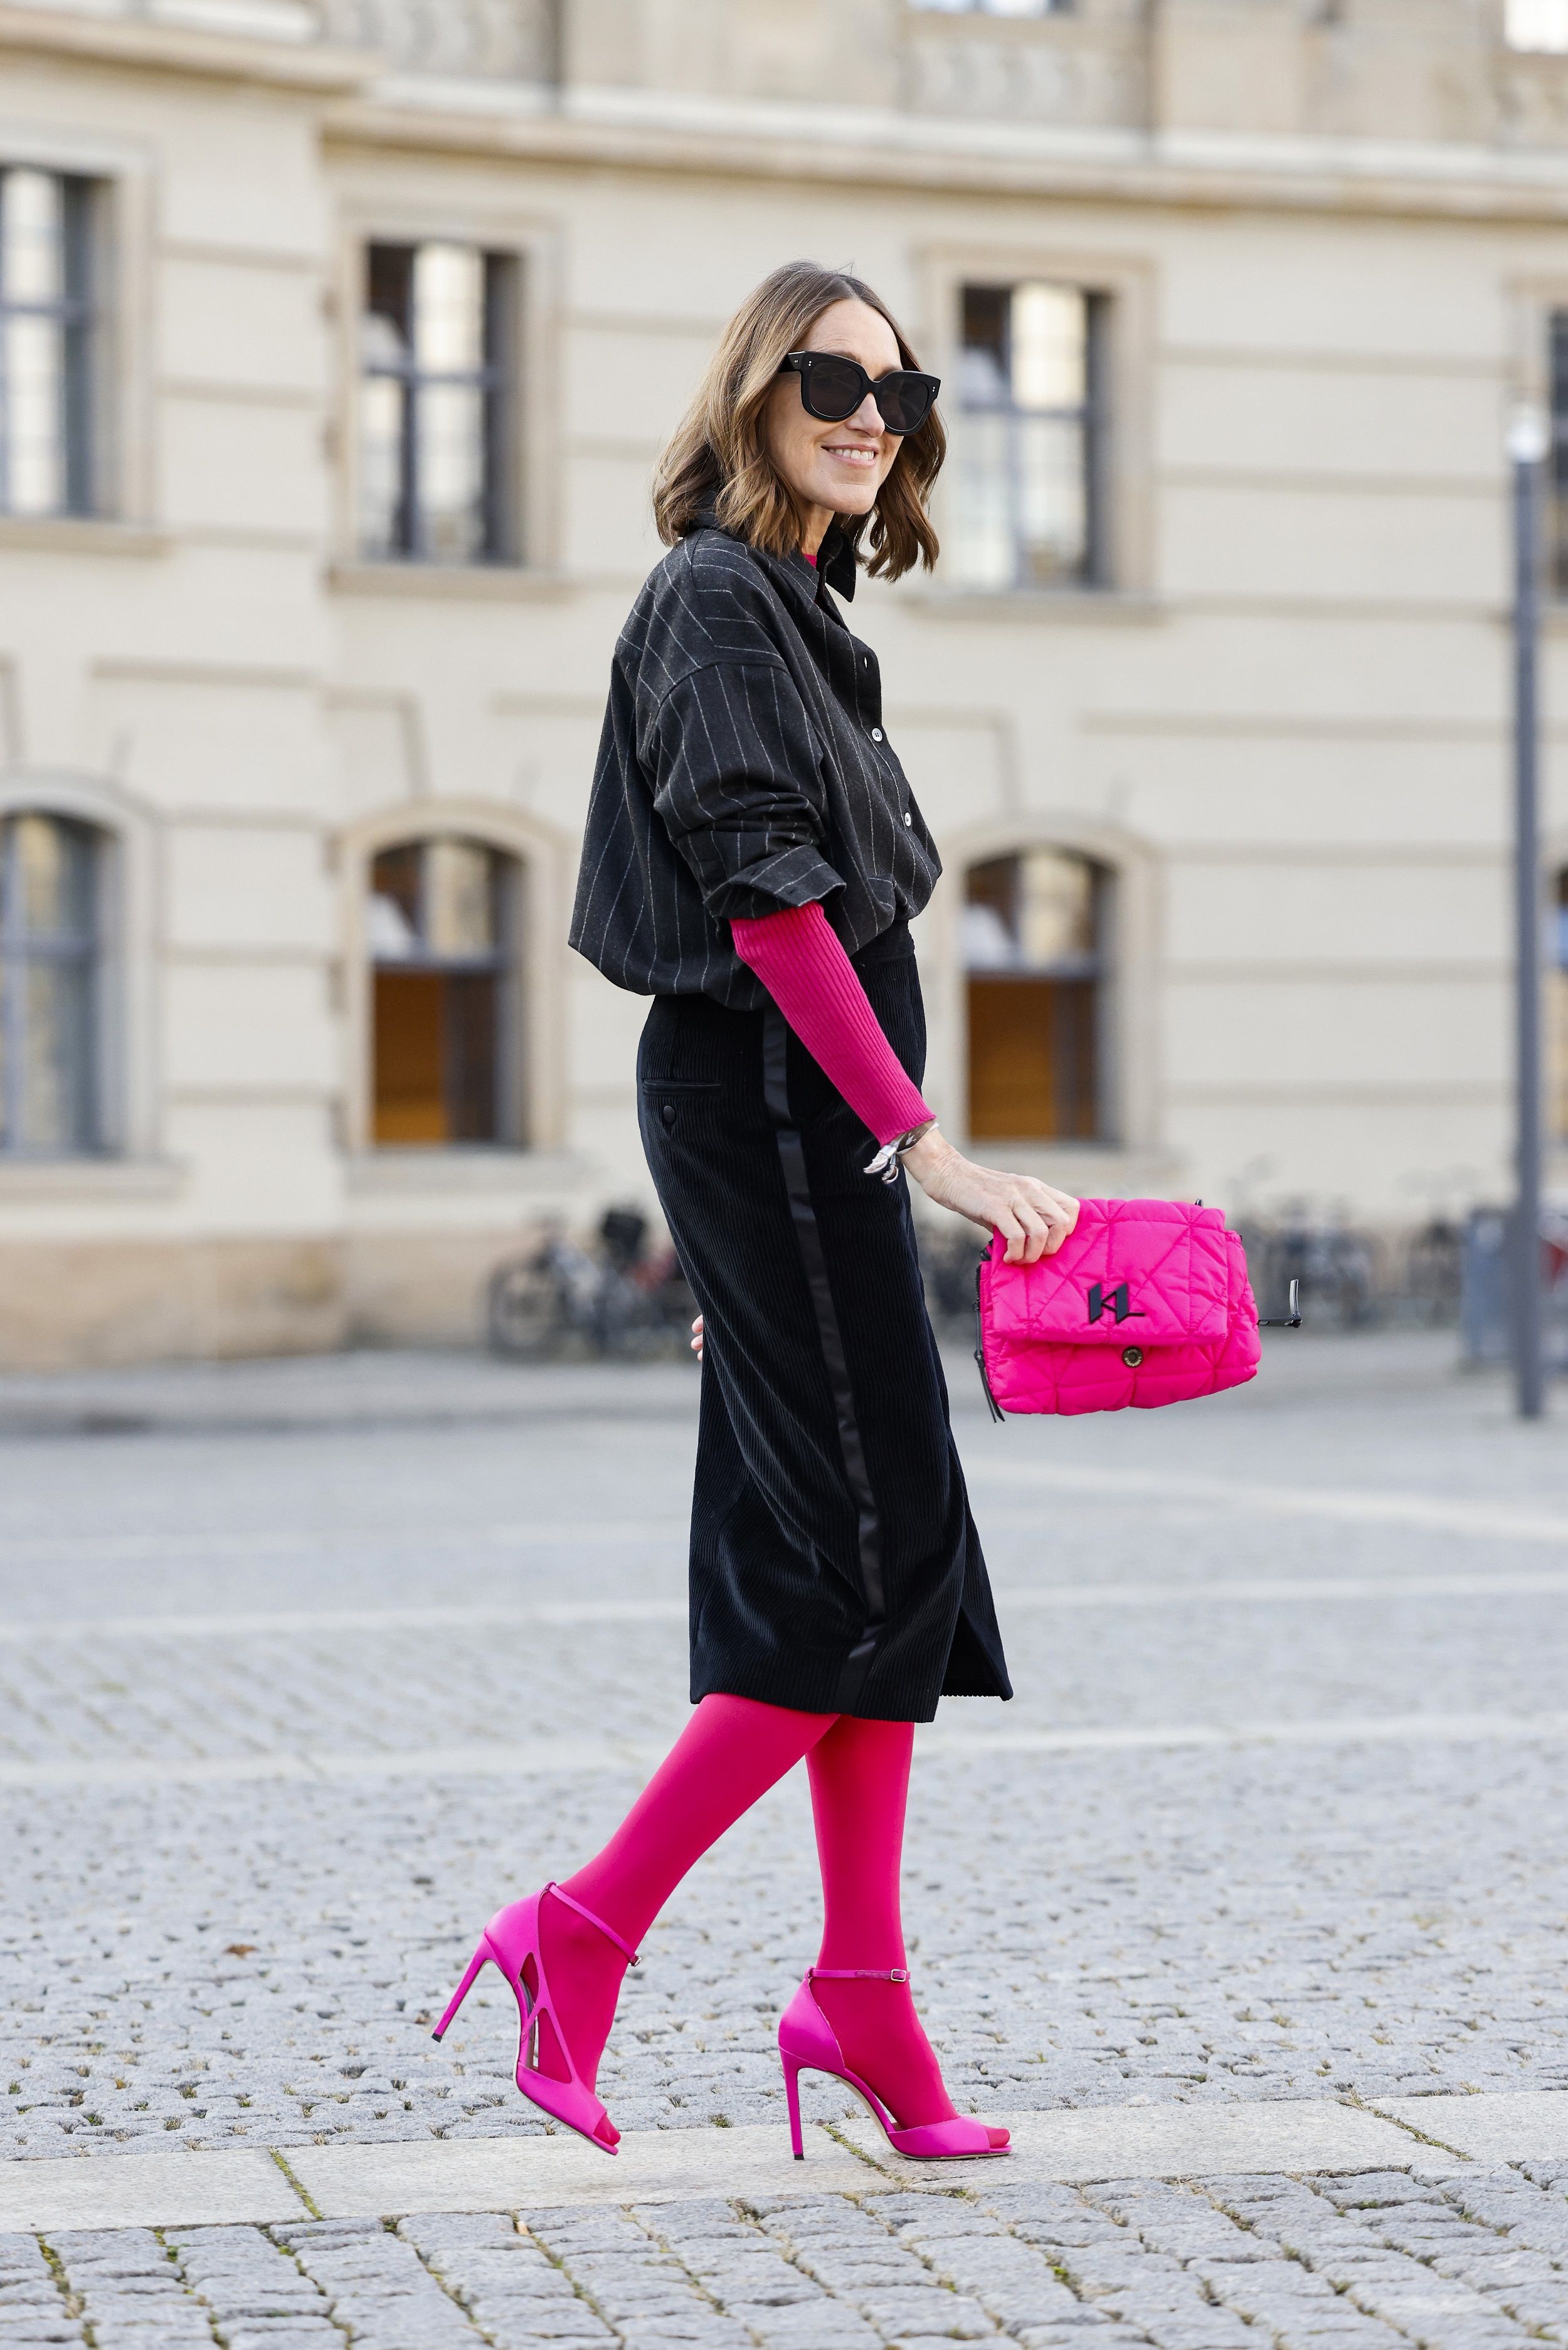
(1528, 441)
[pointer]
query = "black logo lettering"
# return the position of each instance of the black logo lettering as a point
(1116, 1299)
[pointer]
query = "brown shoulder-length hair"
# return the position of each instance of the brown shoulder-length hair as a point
(717, 461)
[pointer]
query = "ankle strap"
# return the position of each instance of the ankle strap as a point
(857, 1974)
(607, 1932)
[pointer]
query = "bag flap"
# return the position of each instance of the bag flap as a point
(1132, 1271)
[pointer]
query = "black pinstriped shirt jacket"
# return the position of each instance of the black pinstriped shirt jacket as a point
(742, 767)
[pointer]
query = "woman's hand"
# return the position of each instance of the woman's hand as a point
(697, 1338)
(1033, 1216)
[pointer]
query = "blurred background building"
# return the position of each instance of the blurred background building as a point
(336, 345)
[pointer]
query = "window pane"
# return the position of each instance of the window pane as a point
(1050, 346)
(410, 1057)
(383, 521)
(31, 265)
(1032, 1073)
(471, 1056)
(53, 860)
(459, 900)
(449, 309)
(986, 310)
(1030, 913)
(435, 908)
(385, 340)
(984, 553)
(1056, 907)
(35, 367)
(1052, 498)
(56, 1061)
(393, 919)
(450, 472)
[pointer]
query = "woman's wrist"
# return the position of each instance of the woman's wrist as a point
(923, 1157)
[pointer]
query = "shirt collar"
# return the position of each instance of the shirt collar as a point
(835, 558)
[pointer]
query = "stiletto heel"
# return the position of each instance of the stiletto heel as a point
(512, 1941)
(461, 1993)
(808, 2043)
(791, 2098)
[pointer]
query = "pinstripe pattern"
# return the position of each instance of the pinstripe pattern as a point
(740, 770)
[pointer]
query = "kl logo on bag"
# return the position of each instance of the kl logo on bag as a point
(1116, 1299)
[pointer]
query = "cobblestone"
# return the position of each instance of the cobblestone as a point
(1370, 2261)
(217, 1963)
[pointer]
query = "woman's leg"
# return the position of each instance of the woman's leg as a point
(732, 1751)
(859, 1784)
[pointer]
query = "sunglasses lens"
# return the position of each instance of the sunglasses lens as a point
(834, 389)
(905, 401)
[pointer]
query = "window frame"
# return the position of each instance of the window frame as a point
(78, 316)
(20, 954)
(1123, 487)
(1129, 1026)
(1096, 966)
(530, 246)
(495, 380)
(536, 1081)
(1089, 416)
(501, 962)
(126, 986)
(124, 439)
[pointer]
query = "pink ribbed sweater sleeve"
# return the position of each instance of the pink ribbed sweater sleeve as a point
(801, 962)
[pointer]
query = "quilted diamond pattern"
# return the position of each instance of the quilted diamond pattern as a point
(1187, 1309)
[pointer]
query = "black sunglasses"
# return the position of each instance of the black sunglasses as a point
(831, 388)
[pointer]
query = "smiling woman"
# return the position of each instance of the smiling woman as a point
(751, 859)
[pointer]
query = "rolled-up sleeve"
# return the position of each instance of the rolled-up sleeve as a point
(737, 784)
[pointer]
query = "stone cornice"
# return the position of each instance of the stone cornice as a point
(724, 138)
(134, 42)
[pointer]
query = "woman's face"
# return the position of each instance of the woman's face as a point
(839, 466)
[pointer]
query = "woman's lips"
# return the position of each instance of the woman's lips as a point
(852, 455)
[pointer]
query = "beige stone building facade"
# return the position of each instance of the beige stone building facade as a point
(335, 346)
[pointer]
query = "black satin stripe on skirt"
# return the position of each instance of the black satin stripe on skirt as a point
(835, 1563)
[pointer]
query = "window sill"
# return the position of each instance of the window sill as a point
(82, 535)
(419, 1173)
(481, 582)
(90, 1179)
(1069, 604)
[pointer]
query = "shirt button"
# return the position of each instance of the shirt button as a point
(876, 733)
(908, 819)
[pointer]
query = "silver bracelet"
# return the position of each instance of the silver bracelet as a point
(886, 1163)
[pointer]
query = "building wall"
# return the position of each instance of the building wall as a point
(1283, 726)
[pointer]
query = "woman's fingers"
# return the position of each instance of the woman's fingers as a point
(1036, 1231)
(697, 1338)
(1012, 1230)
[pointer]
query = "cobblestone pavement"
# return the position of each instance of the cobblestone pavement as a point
(1373, 2261)
(277, 1643)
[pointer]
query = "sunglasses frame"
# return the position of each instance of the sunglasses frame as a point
(802, 363)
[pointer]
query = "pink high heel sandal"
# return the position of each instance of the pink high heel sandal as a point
(511, 1941)
(808, 2043)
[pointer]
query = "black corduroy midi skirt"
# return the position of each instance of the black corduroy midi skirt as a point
(835, 1563)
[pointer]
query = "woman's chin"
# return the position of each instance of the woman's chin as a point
(852, 497)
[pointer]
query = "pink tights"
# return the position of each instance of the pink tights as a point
(730, 1752)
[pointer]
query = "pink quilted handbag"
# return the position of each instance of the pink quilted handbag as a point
(1145, 1302)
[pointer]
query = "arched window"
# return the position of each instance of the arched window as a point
(1033, 931)
(49, 1047)
(1557, 1010)
(442, 923)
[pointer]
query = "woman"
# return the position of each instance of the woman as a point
(752, 857)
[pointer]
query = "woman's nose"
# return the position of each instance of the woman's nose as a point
(868, 416)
